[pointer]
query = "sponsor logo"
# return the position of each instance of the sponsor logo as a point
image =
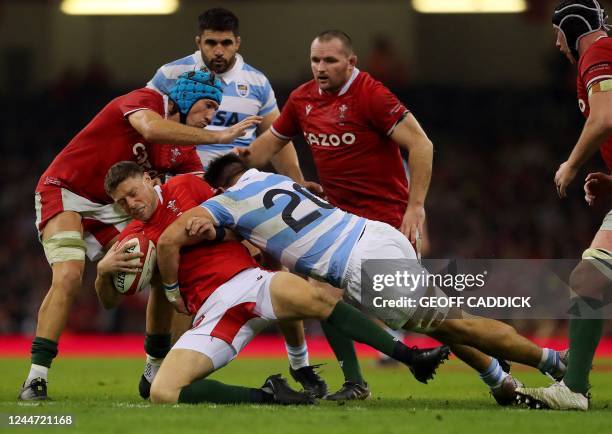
(334, 140)
(308, 108)
(242, 89)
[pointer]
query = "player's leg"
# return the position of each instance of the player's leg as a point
(224, 324)
(62, 239)
(295, 339)
(501, 384)
(299, 364)
(159, 319)
(293, 297)
(500, 340)
(355, 386)
(590, 281)
(181, 378)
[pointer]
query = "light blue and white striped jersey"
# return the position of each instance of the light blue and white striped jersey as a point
(246, 92)
(303, 232)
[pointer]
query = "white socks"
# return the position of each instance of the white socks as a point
(37, 371)
(298, 356)
(151, 368)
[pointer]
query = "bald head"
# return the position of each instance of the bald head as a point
(343, 38)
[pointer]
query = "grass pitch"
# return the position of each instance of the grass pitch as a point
(101, 395)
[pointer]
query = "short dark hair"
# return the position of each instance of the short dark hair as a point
(119, 172)
(218, 19)
(222, 169)
(343, 37)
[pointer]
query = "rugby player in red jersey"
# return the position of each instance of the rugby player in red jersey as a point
(75, 216)
(355, 128)
(581, 31)
(231, 297)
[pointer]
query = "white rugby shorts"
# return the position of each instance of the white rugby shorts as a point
(230, 317)
(101, 223)
(383, 242)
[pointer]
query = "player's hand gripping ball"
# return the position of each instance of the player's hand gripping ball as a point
(131, 283)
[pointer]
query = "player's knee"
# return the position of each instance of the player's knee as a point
(67, 278)
(453, 330)
(162, 394)
(504, 332)
(321, 302)
(587, 280)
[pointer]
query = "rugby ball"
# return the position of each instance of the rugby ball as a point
(131, 283)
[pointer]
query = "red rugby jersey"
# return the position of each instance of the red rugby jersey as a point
(109, 138)
(595, 65)
(203, 267)
(359, 166)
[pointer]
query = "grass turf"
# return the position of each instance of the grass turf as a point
(101, 395)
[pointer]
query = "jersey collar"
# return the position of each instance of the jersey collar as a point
(165, 99)
(347, 85)
(229, 75)
(245, 177)
(232, 74)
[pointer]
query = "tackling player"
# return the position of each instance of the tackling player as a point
(75, 216)
(581, 30)
(231, 298)
(312, 237)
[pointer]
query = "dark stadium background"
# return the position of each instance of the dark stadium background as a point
(493, 93)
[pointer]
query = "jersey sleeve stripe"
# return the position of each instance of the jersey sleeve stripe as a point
(597, 80)
(126, 114)
(340, 257)
(219, 213)
(277, 134)
(401, 118)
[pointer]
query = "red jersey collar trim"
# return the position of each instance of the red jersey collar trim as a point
(347, 85)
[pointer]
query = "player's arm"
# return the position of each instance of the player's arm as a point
(285, 161)
(192, 227)
(116, 259)
(597, 128)
(261, 151)
(409, 135)
(156, 129)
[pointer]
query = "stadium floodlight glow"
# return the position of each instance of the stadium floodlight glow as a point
(119, 7)
(469, 6)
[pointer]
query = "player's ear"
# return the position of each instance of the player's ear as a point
(352, 60)
(238, 40)
(147, 178)
(198, 39)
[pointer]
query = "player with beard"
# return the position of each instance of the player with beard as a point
(246, 91)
